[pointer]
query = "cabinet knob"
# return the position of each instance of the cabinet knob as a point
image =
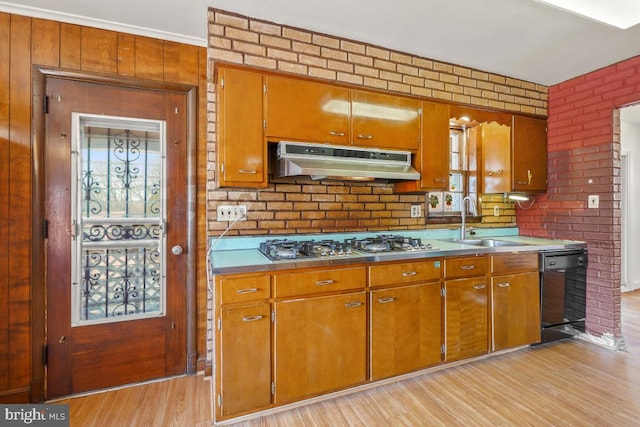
(177, 250)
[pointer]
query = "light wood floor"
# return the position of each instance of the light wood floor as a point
(569, 383)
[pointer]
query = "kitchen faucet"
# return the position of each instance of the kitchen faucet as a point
(463, 211)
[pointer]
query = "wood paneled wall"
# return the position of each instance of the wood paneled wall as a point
(24, 43)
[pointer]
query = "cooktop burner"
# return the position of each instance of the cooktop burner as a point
(388, 243)
(278, 249)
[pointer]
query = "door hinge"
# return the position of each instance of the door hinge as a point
(264, 123)
(45, 355)
(219, 400)
(45, 229)
(45, 104)
(443, 292)
(264, 89)
(222, 83)
(443, 349)
(273, 317)
(219, 324)
(273, 388)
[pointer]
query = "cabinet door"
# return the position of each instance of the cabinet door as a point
(320, 345)
(432, 159)
(406, 329)
(516, 310)
(245, 358)
(386, 121)
(529, 154)
(495, 157)
(466, 314)
(308, 111)
(241, 150)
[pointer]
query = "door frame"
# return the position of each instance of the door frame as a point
(38, 267)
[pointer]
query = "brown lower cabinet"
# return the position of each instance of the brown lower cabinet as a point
(406, 329)
(320, 345)
(245, 354)
(466, 318)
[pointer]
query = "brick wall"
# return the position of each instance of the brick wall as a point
(306, 206)
(584, 159)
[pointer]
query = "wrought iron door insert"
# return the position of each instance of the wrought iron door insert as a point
(118, 217)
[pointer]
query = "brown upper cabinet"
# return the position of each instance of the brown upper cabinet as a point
(432, 157)
(529, 155)
(241, 151)
(310, 111)
(303, 110)
(386, 121)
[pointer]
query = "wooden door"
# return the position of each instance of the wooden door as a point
(466, 318)
(245, 358)
(320, 345)
(406, 329)
(309, 111)
(516, 310)
(529, 154)
(241, 150)
(386, 121)
(115, 201)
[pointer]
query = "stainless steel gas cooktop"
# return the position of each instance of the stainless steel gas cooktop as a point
(286, 249)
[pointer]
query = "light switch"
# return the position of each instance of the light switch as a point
(594, 201)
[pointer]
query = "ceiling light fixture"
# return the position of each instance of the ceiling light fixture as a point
(618, 13)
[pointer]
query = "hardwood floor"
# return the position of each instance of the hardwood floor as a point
(568, 383)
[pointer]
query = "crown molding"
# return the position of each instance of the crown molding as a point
(69, 18)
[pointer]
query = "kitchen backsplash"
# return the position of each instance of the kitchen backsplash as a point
(306, 206)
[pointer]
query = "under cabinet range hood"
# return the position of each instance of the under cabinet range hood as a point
(320, 161)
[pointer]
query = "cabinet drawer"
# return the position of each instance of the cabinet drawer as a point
(318, 281)
(465, 267)
(406, 272)
(246, 288)
(513, 263)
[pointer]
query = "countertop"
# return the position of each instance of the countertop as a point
(241, 255)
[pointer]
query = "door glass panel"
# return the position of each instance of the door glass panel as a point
(118, 218)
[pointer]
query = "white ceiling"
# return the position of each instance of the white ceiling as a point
(524, 39)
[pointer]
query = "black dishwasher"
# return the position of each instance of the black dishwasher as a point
(563, 293)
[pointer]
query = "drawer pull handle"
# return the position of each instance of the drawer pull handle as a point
(468, 267)
(363, 136)
(479, 286)
(252, 318)
(246, 291)
(334, 133)
(248, 171)
(408, 273)
(353, 304)
(522, 182)
(386, 300)
(324, 282)
(439, 179)
(504, 285)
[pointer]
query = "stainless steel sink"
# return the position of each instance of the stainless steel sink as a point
(492, 243)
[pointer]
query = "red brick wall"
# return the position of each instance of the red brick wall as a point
(584, 159)
(307, 206)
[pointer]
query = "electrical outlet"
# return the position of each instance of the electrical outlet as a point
(416, 211)
(594, 201)
(496, 210)
(232, 213)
